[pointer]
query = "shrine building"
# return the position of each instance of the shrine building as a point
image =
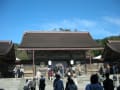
(7, 58)
(52, 48)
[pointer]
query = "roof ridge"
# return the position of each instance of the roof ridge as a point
(54, 32)
(5, 41)
(111, 41)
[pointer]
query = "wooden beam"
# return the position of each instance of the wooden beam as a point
(61, 48)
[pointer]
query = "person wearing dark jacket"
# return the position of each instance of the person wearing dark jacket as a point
(94, 85)
(58, 83)
(42, 83)
(108, 83)
(70, 85)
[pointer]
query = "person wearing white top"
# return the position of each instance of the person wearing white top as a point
(38, 75)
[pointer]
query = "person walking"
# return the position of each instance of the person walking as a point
(22, 72)
(18, 72)
(38, 76)
(94, 85)
(42, 83)
(33, 86)
(70, 85)
(50, 74)
(15, 72)
(108, 83)
(26, 85)
(58, 83)
(75, 79)
(101, 71)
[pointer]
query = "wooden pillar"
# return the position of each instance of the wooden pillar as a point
(85, 66)
(33, 62)
(85, 62)
(90, 60)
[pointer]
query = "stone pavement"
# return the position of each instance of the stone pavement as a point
(82, 81)
(11, 83)
(18, 83)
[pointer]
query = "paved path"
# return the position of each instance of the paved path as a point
(18, 83)
(11, 83)
(81, 83)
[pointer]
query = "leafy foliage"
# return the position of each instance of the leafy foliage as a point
(103, 42)
(20, 54)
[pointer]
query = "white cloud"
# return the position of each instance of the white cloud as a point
(98, 29)
(86, 23)
(101, 33)
(69, 24)
(112, 20)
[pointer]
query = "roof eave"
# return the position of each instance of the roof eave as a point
(97, 48)
(113, 49)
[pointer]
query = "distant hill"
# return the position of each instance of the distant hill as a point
(104, 41)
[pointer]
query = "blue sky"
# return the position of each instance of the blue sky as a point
(99, 17)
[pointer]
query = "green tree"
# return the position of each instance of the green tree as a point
(20, 54)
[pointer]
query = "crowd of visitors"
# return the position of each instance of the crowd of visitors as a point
(18, 71)
(56, 75)
(109, 68)
(71, 84)
(30, 84)
(63, 72)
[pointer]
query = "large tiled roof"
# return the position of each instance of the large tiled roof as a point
(5, 47)
(114, 45)
(58, 40)
(112, 51)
